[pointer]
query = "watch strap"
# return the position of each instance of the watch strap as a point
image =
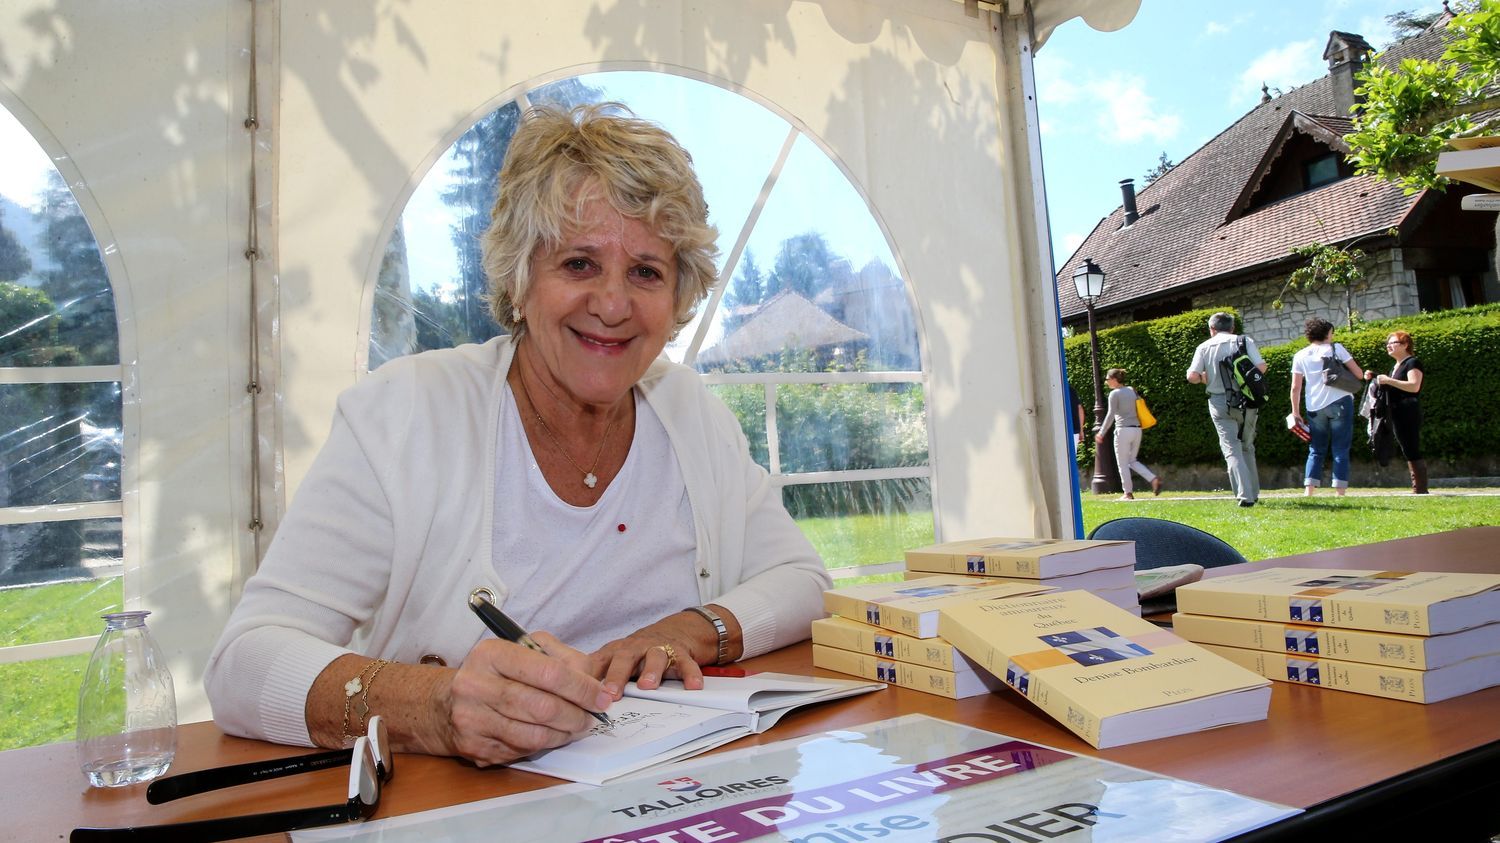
(720, 628)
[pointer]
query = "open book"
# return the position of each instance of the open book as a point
(671, 723)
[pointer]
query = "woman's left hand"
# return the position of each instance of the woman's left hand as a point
(644, 654)
(1099, 439)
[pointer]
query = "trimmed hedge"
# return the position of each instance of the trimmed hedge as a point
(1459, 350)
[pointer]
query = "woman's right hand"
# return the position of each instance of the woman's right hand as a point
(507, 702)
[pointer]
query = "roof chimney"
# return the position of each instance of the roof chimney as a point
(1346, 54)
(1127, 191)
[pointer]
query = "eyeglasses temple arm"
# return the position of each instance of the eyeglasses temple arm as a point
(226, 828)
(201, 781)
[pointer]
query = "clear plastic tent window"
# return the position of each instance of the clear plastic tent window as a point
(61, 436)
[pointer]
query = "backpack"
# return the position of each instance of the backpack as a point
(1244, 382)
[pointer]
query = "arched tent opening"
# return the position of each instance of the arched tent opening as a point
(244, 165)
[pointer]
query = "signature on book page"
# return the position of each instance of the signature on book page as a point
(635, 726)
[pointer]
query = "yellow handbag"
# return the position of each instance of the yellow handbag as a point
(1143, 413)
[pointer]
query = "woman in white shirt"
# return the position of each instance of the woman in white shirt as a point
(1330, 411)
(595, 490)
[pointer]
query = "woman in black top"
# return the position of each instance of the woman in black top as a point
(1401, 388)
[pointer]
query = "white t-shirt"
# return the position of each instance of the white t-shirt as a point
(1309, 364)
(572, 570)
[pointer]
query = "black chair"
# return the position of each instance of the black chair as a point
(1160, 543)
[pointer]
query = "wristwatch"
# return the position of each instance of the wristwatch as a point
(721, 628)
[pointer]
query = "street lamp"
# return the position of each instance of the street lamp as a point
(1088, 280)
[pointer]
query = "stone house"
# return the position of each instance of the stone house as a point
(1217, 229)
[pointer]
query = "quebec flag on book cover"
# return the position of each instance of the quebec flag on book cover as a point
(1095, 646)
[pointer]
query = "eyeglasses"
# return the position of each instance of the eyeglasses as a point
(370, 761)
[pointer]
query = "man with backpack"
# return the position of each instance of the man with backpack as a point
(1231, 367)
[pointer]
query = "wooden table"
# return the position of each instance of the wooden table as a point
(1357, 760)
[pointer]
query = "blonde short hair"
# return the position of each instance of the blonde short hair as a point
(558, 161)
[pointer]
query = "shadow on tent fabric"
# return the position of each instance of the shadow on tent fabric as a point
(1159, 543)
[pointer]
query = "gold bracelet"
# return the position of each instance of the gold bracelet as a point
(356, 686)
(364, 696)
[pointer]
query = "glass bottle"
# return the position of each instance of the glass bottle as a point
(127, 708)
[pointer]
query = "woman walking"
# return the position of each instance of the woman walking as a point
(1401, 389)
(1127, 426)
(1330, 411)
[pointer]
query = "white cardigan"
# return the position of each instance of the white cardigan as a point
(391, 530)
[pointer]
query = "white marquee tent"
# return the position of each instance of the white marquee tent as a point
(242, 164)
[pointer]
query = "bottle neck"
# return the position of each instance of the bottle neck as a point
(125, 620)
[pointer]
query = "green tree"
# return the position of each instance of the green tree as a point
(1163, 166)
(1409, 111)
(807, 265)
(1329, 266)
(1406, 24)
(476, 159)
(747, 290)
(74, 278)
(14, 261)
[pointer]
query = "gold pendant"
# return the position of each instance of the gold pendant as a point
(590, 480)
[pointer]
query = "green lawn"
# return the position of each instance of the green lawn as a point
(39, 698)
(1284, 524)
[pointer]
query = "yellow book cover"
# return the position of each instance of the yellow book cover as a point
(1396, 683)
(1026, 558)
(928, 680)
(1104, 673)
(1104, 579)
(1418, 652)
(911, 607)
(844, 634)
(1410, 602)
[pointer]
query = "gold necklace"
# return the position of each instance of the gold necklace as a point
(589, 478)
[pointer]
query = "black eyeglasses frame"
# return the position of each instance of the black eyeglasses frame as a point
(367, 772)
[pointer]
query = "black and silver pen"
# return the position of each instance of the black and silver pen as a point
(504, 627)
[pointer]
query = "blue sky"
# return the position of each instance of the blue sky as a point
(1112, 102)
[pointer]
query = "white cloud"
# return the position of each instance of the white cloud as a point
(1377, 31)
(1284, 67)
(1129, 114)
(1054, 85)
(1070, 243)
(1213, 27)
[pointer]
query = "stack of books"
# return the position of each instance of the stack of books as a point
(1106, 569)
(888, 632)
(930, 665)
(1095, 667)
(1415, 636)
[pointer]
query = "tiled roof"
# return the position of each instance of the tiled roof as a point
(1181, 239)
(787, 321)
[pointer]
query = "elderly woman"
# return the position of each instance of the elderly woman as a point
(599, 492)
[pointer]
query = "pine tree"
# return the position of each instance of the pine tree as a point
(14, 262)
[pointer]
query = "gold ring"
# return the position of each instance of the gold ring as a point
(671, 653)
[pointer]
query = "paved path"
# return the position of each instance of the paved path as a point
(1323, 494)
